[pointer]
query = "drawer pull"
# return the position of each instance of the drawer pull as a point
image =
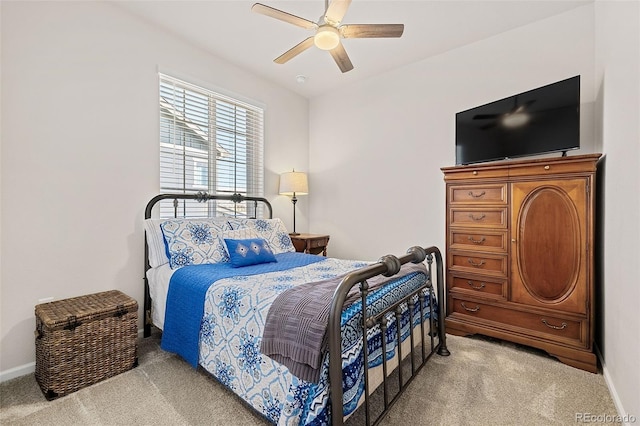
(482, 194)
(555, 327)
(480, 241)
(477, 265)
(476, 309)
(476, 287)
(479, 218)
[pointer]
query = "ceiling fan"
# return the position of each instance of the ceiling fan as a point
(328, 31)
(517, 116)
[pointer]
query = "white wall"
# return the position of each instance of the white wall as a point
(80, 151)
(376, 149)
(617, 48)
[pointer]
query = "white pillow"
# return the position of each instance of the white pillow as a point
(155, 242)
(194, 241)
(272, 230)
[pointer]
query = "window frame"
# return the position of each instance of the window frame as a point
(197, 126)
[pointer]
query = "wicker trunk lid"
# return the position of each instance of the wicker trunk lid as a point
(83, 340)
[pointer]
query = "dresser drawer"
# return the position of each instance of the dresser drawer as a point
(543, 168)
(471, 172)
(480, 240)
(534, 324)
(478, 217)
(478, 286)
(478, 263)
(478, 194)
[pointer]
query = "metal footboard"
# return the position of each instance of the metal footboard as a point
(387, 266)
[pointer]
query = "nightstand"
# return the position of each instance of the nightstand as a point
(310, 243)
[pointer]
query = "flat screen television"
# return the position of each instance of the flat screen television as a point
(542, 120)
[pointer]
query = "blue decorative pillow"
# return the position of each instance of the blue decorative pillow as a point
(249, 252)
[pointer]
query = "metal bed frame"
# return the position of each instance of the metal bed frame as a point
(387, 266)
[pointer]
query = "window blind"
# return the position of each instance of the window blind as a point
(210, 143)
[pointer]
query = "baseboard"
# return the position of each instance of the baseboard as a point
(30, 368)
(612, 390)
(21, 370)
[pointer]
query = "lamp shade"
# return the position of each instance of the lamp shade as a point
(294, 183)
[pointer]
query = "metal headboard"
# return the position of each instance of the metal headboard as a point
(201, 197)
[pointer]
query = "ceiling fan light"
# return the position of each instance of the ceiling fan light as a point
(327, 37)
(515, 119)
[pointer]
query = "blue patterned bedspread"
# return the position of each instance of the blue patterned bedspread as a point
(231, 327)
(187, 289)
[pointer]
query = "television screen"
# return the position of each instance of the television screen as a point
(542, 120)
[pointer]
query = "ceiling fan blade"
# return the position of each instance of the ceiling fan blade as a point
(341, 58)
(283, 16)
(485, 116)
(294, 51)
(371, 30)
(336, 11)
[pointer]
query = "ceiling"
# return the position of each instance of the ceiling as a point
(229, 30)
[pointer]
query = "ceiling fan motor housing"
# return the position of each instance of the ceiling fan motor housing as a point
(327, 37)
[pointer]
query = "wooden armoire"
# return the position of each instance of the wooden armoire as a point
(520, 241)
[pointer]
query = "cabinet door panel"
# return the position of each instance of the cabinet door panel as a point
(549, 228)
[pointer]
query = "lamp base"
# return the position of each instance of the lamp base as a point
(294, 233)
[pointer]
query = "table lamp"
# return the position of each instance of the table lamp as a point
(292, 184)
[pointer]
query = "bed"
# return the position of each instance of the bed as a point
(294, 335)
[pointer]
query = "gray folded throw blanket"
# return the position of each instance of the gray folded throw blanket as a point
(295, 332)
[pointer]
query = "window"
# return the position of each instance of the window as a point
(209, 143)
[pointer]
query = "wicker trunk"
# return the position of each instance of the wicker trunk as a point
(83, 340)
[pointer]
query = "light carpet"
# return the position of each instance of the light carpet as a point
(483, 382)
